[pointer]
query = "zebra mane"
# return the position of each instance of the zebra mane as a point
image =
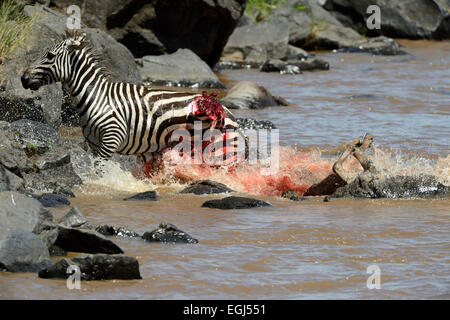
(84, 43)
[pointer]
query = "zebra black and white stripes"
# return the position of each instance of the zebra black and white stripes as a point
(119, 117)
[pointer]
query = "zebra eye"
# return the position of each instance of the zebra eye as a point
(50, 55)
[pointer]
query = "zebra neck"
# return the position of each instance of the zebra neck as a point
(87, 86)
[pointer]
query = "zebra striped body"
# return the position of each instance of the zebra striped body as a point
(119, 117)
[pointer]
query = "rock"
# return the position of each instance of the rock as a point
(253, 124)
(298, 20)
(95, 267)
(274, 65)
(52, 180)
(75, 219)
(168, 233)
(310, 65)
(206, 187)
(116, 231)
(18, 211)
(144, 196)
(35, 137)
(291, 195)
(260, 42)
(9, 181)
(182, 68)
(23, 251)
(12, 153)
(375, 185)
(50, 200)
(84, 240)
(160, 27)
(295, 53)
(249, 95)
(53, 158)
(56, 251)
(413, 19)
(234, 202)
(379, 45)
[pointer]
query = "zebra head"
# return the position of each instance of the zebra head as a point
(55, 63)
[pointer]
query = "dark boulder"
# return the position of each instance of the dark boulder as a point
(206, 187)
(23, 251)
(95, 267)
(161, 26)
(84, 240)
(143, 196)
(107, 230)
(234, 202)
(168, 233)
(51, 200)
(18, 211)
(413, 19)
(76, 239)
(249, 95)
(181, 69)
(375, 185)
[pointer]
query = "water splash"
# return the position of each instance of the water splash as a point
(298, 170)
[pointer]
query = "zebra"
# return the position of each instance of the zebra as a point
(125, 118)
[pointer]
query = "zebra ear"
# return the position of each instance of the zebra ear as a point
(77, 42)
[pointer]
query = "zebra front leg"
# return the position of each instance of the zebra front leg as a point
(108, 146)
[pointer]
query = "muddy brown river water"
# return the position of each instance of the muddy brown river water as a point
(297, 250)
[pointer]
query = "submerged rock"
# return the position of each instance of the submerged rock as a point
(107, 230)
(235, 202)
(206, 187)
(144, 196)
(23, 251)
(379, 45)
(168, 233)
(370, 185)
(249, 95)
(292, 195)
(95, 267)
(51, 200)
